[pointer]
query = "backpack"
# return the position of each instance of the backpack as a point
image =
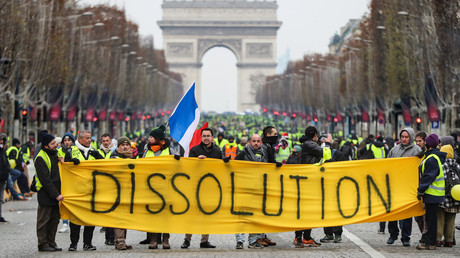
(368, 154)
(452, 177)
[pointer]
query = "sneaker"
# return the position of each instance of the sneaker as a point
(89, 248)
(64, 229)
(145, 242)
(255, 245)
(239, 245)
(327, 239)
(438, 243)
(2, 219)
(448, 244)
(406, 243)
(102, 230)
(72, 248)
(312, 243)
(390, 241)
(338, 239)
(298, 244)
(381, 231)
(109, 242)
(186, 244)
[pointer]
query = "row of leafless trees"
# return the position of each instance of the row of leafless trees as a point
(55, 53)
(405, 56)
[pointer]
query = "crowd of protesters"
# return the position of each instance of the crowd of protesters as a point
(439, 172)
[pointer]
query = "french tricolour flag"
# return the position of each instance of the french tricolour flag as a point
(184, 120)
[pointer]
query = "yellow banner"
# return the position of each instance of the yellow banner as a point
(195, 196)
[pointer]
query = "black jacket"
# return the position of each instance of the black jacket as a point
(51, 182)
(213, 152)
(4, 166)
(270, 150)
(311, 152)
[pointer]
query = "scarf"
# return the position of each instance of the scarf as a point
(108, 149)
(158, 145)
(127, 154)
(83, 148)
(256, 155)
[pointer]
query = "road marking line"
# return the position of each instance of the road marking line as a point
(361, 244)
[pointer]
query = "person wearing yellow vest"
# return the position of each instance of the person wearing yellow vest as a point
(16, 171)
(220, 140)
(118, 235)
(93, 142)
(106, 146)
(378, 148)
(80, 152)
(157, 145)
(68, 140)
(242, 144)
(282, 151)
(431, 189)
(48, 184)
(230, 149)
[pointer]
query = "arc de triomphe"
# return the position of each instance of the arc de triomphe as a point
(248, 28)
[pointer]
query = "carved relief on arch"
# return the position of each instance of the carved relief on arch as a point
(180, 49)
(259, 50)
(232, 44)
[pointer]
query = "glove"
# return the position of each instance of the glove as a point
(226, 159)
(94, 153)
(419, 196)
(75, 161)
(177, 157)
(278, 164)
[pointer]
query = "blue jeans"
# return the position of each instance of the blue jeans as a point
(15, 174)
(240, 237)
(253, 238)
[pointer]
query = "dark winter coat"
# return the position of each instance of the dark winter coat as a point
(213, 152)
(311, 152)
(4, 165)
(51, 182)
(430, 174)
(270, 150)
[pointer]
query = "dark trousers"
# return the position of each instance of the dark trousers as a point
(329, 231)
(431, 217)
(109, 234)
(306, 234)
(47, 224)
(406, 229)
(75, 234)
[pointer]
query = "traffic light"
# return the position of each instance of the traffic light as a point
(24, 117)
(419, 122)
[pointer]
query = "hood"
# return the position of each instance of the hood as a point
(411, 133)
(379, 144)
(442, 155)
(448, 150)
(447, 140)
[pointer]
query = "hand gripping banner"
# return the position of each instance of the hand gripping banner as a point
(209, 196)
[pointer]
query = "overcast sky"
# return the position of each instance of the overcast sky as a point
(307, 28)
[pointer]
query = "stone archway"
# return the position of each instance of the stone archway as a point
(247, 28)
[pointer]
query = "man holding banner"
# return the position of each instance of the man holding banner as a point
(256, 153)
(206, 149)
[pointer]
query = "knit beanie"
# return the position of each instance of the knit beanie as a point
(46, 138)
(159, 133)
(68, 135)
(432, 140)
(122, 140)
(16, 142)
